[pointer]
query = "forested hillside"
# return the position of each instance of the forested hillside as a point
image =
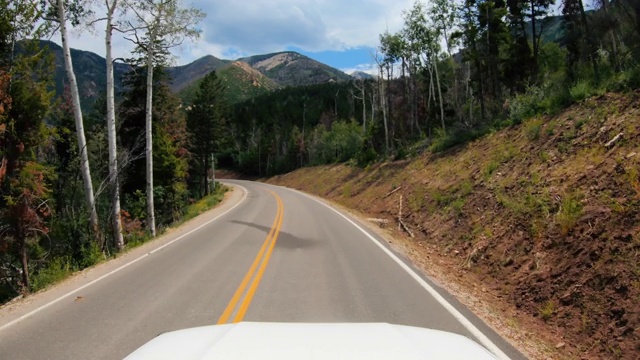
(455, 71)
(76, 169)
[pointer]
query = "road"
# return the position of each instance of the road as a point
(267, 254)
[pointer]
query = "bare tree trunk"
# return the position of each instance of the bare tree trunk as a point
(111, 134)
(363, 98)
(383, 104)
(435, 66)
(590, 41)
(151, 218)
(206, 176)
(25, 264)
(77, 113)
(534, 36)
(364, 108)
(373, 103)
(612, 35)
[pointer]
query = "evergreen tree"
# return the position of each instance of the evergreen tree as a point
(169, 147)
(24, 179)
(206, 125)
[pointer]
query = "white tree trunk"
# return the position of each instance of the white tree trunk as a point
(364, 108)
(77, 113)
(151, 218)
(383, 103)
(111, 134)
(435, 65)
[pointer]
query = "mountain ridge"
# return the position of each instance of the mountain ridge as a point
(276, 70)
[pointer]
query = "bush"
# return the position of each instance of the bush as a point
(91, 255)
(582, 90)
(444, 141)
(56, 270)
(570, 212)
(532, 129)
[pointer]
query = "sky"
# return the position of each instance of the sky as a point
(340, 33)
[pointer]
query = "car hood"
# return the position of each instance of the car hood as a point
(369, 341)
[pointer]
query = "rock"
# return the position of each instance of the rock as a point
(566, 299)
(560, 345)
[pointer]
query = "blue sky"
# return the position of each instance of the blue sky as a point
(340, 33)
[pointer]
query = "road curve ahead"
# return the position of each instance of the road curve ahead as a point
(277, 255)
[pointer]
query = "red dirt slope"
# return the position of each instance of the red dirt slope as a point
(541, 220)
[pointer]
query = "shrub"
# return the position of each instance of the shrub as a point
(56, 270)
(546, 311)
(581, 90)
(532, 129)
(570, 212)
(91, 255)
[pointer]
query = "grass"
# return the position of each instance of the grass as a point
(417, 199)
(570, 212)
(204, 204)
(346, 190)
(532, 129)
(547, 310)
(490, 169)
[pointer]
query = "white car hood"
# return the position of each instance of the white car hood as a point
(249, 340)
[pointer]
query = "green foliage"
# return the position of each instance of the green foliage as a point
(206, 127)
(454, 137)
(582, 90)
(170, 155)
(55, 271)
(338, 144)
(91, 254)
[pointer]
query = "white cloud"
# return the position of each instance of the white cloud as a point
(370, 69)
(314, 25)
(239, 28)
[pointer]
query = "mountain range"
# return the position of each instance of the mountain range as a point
(243, 78)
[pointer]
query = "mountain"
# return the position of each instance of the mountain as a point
(90, 70)
(183, 76)
(241, 81)
(244, 78)
(293, 69)
(361, 75)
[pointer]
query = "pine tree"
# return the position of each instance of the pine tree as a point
(206, 125)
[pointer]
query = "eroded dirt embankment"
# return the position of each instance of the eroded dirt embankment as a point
(541, 222)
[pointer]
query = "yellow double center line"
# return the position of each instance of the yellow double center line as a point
(262, 259)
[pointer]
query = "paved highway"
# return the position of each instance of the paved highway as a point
(267, 254)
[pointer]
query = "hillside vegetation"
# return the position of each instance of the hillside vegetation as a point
(544, 216)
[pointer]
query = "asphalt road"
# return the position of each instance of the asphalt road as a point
(267, 254)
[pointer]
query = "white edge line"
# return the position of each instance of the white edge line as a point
(35, 311)
(482, 338)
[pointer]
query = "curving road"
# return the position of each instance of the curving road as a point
(268, 254)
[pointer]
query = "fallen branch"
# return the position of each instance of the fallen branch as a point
(614, 140)
(380, 222)
(400, 213)
(392, 191)
(406, 228)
